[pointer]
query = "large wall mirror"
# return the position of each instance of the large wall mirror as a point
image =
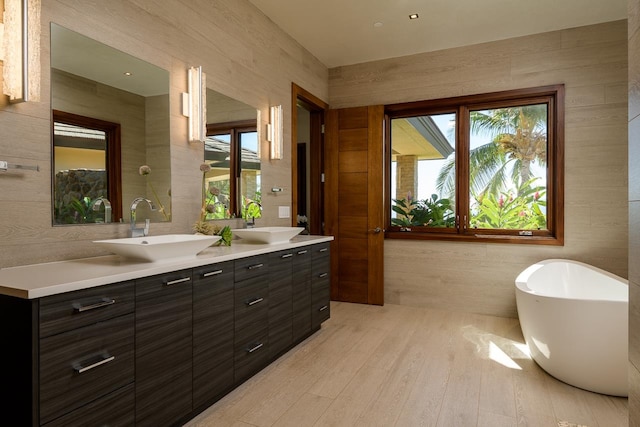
(110, 117)
(232, 150)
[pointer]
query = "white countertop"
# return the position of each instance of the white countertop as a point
(40, 280)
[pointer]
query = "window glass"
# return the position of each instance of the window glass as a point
(507, 168)
(423, 171)
(218, 180)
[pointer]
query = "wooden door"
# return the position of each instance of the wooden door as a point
(354, 203)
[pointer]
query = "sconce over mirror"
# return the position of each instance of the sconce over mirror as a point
(232, 149)
(110, 114)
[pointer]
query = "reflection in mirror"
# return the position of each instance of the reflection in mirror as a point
(232, 151)
(110, 117)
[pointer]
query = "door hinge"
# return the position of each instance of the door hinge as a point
(322, 128)
(322, 177)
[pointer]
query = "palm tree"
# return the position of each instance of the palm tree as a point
(518, 138)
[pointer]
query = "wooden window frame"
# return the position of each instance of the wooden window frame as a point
(553, 96)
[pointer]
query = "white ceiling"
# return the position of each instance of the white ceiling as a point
(341, 32)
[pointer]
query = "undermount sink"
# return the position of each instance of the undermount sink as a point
(268, 235)
(156, 248)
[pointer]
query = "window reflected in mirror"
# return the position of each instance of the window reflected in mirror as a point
(233, 184)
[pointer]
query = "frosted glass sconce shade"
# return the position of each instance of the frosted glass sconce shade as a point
(21, 50)
(275, 131)
(194, 105)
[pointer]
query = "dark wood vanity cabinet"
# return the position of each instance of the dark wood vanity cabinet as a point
(251, 316)
(213, 314)
(163, 349)
(157, 350)
(301, 293)
(320, 284)
(280, 302)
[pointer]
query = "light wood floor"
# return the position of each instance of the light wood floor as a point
(405, 366)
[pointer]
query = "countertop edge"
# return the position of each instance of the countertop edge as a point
(16, 281)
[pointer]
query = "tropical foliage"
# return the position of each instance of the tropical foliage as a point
(432, 212)
(524, 212)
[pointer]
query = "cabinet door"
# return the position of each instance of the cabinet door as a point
(163, 348)
(301, 283)
(212, 332)
(280, 302)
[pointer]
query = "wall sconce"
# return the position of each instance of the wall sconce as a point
(21, 50)
(274, 132)
(194, 105)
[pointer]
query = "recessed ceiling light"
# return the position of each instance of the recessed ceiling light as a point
(128, 73)
(414, 16)
(377, 24)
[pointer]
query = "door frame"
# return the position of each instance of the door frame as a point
(317, 109)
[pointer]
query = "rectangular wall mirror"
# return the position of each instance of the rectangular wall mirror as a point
(232, 151)
(110, 116)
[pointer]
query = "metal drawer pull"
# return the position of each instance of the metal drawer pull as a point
(175, 282)
(104, 303)
(254, 348)
(323, 250)
(82, 369)
(255, 301)
(323, 275)
(323, 308)
(212, 273)
(253, 267)
(286, 256)
(302, 252)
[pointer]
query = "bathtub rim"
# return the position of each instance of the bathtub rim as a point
(522, 278)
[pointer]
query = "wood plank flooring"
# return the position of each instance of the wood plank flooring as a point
(406, 366)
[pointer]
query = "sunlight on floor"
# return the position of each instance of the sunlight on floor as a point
(494, 347)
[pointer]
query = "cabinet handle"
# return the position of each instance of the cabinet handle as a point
(254, 266)
(212, 273)
(323, 275)
(104, 303)
(254, 301)
(255, 347)
(286, 256)
(175, 282)
(323, 250)
(302, 252)
(106, 358)
(323, 308)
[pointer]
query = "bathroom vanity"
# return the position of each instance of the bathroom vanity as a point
(107, 341)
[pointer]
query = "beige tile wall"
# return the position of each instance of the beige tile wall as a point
(245, 55)
(592, 63)
(634, 212)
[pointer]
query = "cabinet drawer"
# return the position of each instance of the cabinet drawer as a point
(81, 365)
(321, 250)
(116, 409)
(320, 277)
(251, 352)
(251, 302)
(254, 266)
(64, 312)
(320, 308)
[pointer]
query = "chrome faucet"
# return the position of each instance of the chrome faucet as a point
(136, 231)
(251, 220)
(107, 207)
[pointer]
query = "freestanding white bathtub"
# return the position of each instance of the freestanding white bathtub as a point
(574, 318)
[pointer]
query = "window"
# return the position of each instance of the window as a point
(233, 184)
(477, 168)
(86, 166)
